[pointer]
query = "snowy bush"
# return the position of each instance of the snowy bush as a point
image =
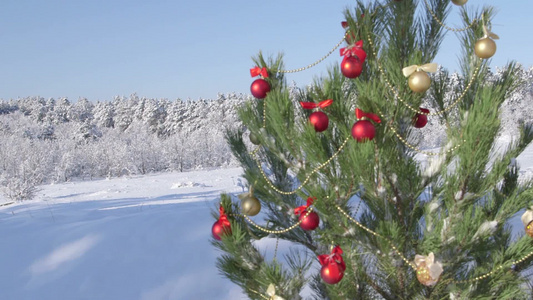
(18, 188)
(24, 165)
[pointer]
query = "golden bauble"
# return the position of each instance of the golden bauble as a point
(419, 81)
(422, 274)
(485, 48)
(250, 206)
(254, 139)
(459, 2)
(529, 229)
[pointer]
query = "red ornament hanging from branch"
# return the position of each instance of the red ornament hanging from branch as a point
(354, 55)
(222, 226)
(311, 221)
(318, 118)
(333, 266)
(363, 130)
(351, 67)
(355, 49)
(259, 87)
(420, 120)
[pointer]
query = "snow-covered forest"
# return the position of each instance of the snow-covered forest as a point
(57, 140)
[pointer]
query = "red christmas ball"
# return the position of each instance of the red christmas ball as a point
(220, 229)
(319, 120)
(363, 131)
(420, 120)
(310, 222)
(332, 273)
(351, 67)
(260, 88)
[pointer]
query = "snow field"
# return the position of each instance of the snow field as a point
(125, 238)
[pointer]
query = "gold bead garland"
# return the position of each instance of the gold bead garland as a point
(496, 269)
(276, 249)
(443, 25)
(271, 185)
(316, 62)
(377, 235)
(395, 92)
(406, 143)
(410, 146)
(309, 210)
(264, 114)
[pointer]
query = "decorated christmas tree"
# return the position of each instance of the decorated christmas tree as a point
(337, 170)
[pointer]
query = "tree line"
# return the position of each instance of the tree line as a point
(48, 140)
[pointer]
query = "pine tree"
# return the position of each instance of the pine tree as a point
(408, 229)
(103, 114)
(60, 111)
(81, 111)
(124, 111)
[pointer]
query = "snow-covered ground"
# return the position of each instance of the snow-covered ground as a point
(144, 237)
(525, 161)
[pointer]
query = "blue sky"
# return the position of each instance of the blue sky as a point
(189, 49)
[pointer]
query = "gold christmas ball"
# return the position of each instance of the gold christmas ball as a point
(254, 139)
(459, 2)
(529, 229)
(250, 206)
(485, 48)
(422, 274)
(419, 82)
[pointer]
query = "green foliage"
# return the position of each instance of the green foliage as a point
(457, 205)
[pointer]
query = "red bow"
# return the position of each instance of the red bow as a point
(361, 114)
(334, 259)
(354, 50)
(424, 110)
(311, 105)
(223, 220)
(301, 209)
(255, 71)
